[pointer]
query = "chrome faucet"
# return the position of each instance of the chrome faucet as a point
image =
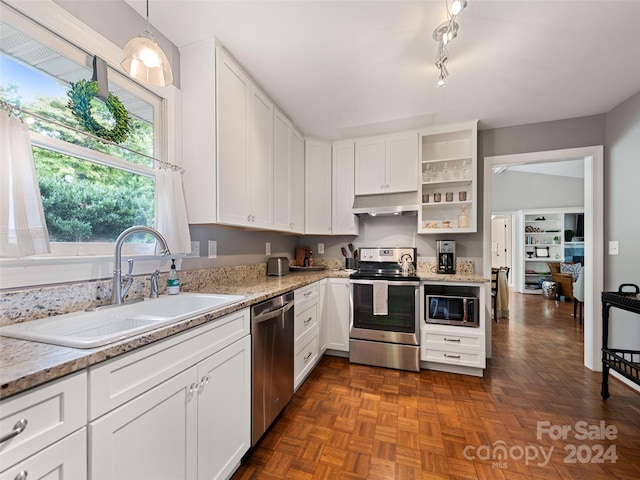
(117, 293)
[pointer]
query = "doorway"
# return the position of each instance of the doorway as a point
(502, 242)
(594, 234)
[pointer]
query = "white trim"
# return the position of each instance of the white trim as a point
(594, 229)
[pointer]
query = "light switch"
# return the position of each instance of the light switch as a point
(614, 247)
(267, 248)
(320, 248)
(195, 249)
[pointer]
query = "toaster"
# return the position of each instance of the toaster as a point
(277, 266)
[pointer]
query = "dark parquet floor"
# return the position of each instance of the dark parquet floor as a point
(527, 418)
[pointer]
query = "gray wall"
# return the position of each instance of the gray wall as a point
(622, 211)
(520, 190)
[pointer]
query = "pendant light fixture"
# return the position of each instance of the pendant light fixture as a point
(145, 61)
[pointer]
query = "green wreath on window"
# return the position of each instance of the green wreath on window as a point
(80, 96)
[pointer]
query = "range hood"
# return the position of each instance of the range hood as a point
(386, 205)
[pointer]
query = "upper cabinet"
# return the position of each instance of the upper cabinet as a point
(343, 221)
(386, 164)
(245, 148)
(449, 183)
(317, 188)
(288, 176)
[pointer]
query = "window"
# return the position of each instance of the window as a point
(91, 190)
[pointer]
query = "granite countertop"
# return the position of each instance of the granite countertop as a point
(25, 364)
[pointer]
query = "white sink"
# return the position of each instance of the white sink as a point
(108, 325)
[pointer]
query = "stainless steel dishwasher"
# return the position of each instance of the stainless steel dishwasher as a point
(272, 361)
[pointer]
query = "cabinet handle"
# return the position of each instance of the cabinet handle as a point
(22, 475)
(193, 388)
(381, 187)
(307, 294)
(203, 381)
(451, 356)
(248, 218)
(308, 320)
(387, 185)
(451, 339)
(18, 428)
(308, 356)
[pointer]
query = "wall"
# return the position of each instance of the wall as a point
(513, 191)
(622, 208)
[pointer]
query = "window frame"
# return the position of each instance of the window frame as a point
(36, 19)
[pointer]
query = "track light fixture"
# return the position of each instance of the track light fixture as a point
(444, 34)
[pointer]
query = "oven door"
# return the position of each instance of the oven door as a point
(385, 311)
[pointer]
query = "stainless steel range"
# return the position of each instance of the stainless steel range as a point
(385, 309)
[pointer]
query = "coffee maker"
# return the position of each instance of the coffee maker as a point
(446, 255)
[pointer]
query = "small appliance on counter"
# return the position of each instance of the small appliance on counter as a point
(277, 266)
(446, 255)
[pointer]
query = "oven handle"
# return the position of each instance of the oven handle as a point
(403, 283)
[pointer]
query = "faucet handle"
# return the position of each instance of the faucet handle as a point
(130, 262)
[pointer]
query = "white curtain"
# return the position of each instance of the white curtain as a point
(23, 230)
(171, 215)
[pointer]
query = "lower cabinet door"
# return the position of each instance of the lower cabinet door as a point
(64, 460)
(224, 410)
(150, 437)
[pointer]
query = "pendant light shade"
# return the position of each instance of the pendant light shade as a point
(145, 61)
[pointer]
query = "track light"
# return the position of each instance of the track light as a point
(444, 34)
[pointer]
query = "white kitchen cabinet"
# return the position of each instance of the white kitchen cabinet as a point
(317, 217)
(288, 176)
(306, 331)
(344, 222)
(322, 322)
(39, 419)
(449, 183)
(153, 436)
(245, 148)
(155, 412)
(337, 313)
(386, 164)
(224, 406)
(233, 102)
(66, 459)
(199, 130)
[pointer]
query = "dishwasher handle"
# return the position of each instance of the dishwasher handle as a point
(269, 314)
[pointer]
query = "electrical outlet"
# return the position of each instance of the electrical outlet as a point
(320, 248)
(267, 248)
(195, 249)
(614, 247)
(213, 249)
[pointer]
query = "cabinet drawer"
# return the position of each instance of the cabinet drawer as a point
(306, 294)
(453, 341)
(306, 356)
(305, 320)
(67, 457)
(51, 411)
(123, 378)
(453, 357)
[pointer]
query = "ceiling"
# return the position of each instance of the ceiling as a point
(341, 69)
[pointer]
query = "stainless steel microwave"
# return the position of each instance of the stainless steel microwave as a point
(452, 309)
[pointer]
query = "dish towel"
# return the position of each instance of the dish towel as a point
(380, 298)
(502, 300)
